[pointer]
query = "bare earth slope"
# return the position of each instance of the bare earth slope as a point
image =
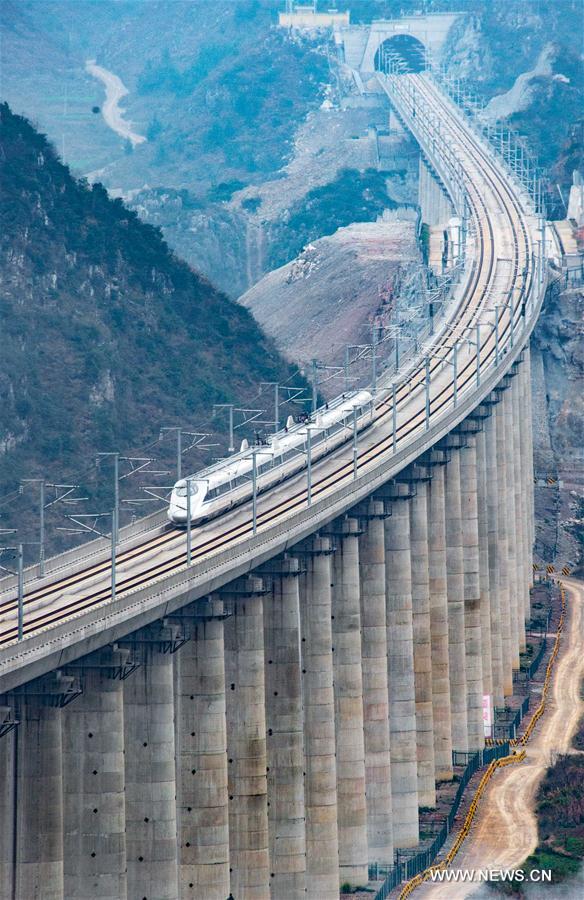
(325, 298)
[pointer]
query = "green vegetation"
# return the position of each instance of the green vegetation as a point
(231, 114)
(165, 76)
(560, 818)
(352, 197)
(560, 808)
(106, 335)
(224, 190)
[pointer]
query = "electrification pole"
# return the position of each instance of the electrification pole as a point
(20, 592)
(229, 407)
(394, 416)
(354, 442)
(42, 484)
(189, 526)
(114, 542)
(309, 466)
(427, 382)
(254, 476)
(116, 459)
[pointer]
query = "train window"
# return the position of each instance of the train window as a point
(182, 490)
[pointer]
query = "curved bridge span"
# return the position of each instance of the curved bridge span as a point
(266, 720)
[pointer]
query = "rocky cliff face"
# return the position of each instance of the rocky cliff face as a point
(524, 59)
(558, 417)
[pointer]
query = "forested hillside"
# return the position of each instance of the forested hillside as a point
(106, 335)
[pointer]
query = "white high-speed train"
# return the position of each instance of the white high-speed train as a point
(229, 482)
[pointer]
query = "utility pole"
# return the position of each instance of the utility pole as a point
(178, 430)
(478, 328)
(455, 373)
(314, 385)
(189, 526)
(229, 407)
(114, 542)
(20, 592)
(19, 550)
(254, 478)
(355, 442)
(427, 378)
(276, 386)
(308, 466)
(394, 415)
(41, 483)
(346, 367)
(116, 459)
(374, 359)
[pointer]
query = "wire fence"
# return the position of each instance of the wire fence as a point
(408, 868)
(505, 732)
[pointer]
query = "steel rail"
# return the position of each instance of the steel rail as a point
(369, 454)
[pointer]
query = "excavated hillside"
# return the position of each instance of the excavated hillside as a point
(338, 286)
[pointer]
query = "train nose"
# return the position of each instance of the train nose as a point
(177, 515)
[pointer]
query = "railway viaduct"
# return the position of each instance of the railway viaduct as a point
(266, 721)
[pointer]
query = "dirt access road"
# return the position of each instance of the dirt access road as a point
(505, 831)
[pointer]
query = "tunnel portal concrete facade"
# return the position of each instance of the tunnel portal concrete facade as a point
(361, 43)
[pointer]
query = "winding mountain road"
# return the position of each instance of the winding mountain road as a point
(505, 831)
(115, 89)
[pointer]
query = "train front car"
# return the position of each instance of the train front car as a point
(229, 482)
(177, 510)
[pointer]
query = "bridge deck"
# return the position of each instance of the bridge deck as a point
(73, 606)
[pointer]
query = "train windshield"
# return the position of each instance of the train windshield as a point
(181, 490)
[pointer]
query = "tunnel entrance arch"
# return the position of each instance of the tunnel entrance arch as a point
(404, 50)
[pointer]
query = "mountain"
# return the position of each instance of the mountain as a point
(106, 335)
(217, 91)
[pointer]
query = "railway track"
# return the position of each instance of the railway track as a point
(165, 553)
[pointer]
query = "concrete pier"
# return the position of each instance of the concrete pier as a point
(528, 463)
(472, 598)
(150, 781)
(435, 205)
(422, 643)
(285, 731)
(494, 559)
(246, 741)
(201, 744)
(38, 872)
(348, 684)
(455, 588)
(484, 576)
(510, 438)
(503, 547)
(439, 625)
(402, 698)
(375, 684)
(320, 785)
(520, 539)
(527, 472)
(8, 784)
(93, 786)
